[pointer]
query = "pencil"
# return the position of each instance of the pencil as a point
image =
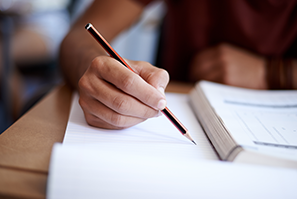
(116, 56)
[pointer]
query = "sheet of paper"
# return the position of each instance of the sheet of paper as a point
(262, 119)
(153, 160)
(154, 137)
(80, 172)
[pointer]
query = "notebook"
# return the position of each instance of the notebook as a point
(250, 126)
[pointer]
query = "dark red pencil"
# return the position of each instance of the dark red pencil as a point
(116, 56)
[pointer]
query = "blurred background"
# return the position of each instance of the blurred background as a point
(31, 32)
(30, 35)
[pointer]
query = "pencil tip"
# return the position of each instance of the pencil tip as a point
(194, 142)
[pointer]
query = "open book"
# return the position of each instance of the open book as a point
(251, 126)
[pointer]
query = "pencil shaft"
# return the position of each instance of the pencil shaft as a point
(106, 46)
(116, 56)
(174, 121)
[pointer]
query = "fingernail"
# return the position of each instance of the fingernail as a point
(161, 89)
(161, 104)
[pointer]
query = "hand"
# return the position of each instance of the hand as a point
(114, 97)
(230, 65)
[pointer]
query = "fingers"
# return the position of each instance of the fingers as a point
(130, 83)
(117, 100)
(156, 77)
(201, 68)
(229, 65)
(214, 74)
(99, 115)
(217, 59)
(112, 96)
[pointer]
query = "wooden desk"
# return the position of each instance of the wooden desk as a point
(25, 147)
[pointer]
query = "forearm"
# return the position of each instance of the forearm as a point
(77, 54)
(79, 48)
(235, 66)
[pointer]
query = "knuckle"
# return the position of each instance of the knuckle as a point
(120, 104)
(86, 107)
(99, 64)
(117, 120)
(97, 61)
(84, 85)
(90, 120)
(128, 81)
(159, 76)
(163, 73)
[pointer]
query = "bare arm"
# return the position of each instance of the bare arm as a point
(111, 95)
(234, 66)
(78, 48)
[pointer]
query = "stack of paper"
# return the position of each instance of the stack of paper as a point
(153, 160)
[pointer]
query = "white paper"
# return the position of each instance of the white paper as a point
(155, 136)
(79, 172)
(153, 160)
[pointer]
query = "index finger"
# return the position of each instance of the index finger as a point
(155, 76)
(129, 82)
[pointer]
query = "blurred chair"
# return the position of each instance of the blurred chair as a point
(31, 32)
(6, 74)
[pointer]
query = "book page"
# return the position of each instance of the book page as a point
(154, 137)
(79, 172)
(264, 120)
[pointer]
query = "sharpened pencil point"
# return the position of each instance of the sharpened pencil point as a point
(187, 135)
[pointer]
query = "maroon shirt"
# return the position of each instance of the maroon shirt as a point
(265, 27)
